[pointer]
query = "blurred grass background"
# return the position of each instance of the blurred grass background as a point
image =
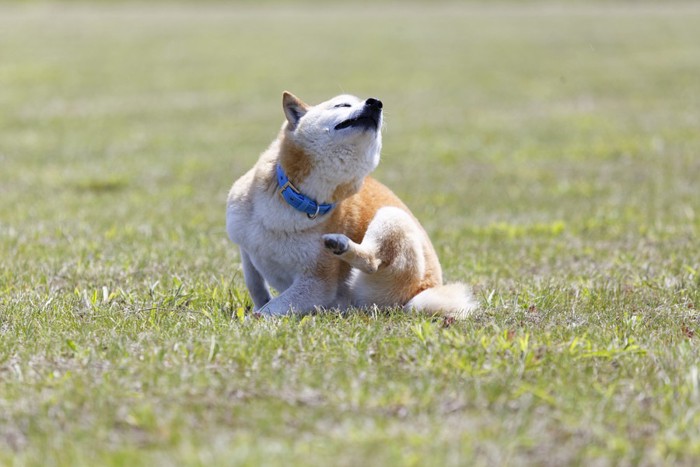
(551, 151)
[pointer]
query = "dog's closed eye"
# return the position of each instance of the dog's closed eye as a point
(341, 105)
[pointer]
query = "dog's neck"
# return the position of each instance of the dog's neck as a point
(322, 186)
(298, 200)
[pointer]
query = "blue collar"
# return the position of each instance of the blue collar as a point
(297, 200)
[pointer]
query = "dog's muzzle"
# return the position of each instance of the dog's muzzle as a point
(367, 118)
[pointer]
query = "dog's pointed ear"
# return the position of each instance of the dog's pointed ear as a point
(294, 108)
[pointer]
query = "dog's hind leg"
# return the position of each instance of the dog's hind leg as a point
(392, 241)
(391, 259)
(361, 256)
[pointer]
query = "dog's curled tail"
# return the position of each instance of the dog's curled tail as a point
(450, 300)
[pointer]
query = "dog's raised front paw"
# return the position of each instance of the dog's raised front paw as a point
(337, 243)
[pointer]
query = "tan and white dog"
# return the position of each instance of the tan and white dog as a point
(311, 223)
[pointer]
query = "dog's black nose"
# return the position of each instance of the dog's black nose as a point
(372, 102)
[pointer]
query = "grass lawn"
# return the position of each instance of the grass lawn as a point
(552, 153)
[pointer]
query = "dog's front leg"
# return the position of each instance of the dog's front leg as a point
(255, 282)
(304, 295)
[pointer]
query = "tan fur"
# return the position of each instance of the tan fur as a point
(345, 190)
(352, 217)
(296, 162)
(386, 257)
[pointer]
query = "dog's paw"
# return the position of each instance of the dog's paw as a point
(265, 312)
(337, 243)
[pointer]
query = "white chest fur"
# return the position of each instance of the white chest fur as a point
(281, 244)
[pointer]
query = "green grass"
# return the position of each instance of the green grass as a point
(552, 153)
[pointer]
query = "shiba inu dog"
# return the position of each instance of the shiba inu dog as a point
(314, 225)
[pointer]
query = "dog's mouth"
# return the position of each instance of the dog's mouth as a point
(361, 121)
(367, 119)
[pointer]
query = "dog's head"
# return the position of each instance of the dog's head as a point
(341, 138)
